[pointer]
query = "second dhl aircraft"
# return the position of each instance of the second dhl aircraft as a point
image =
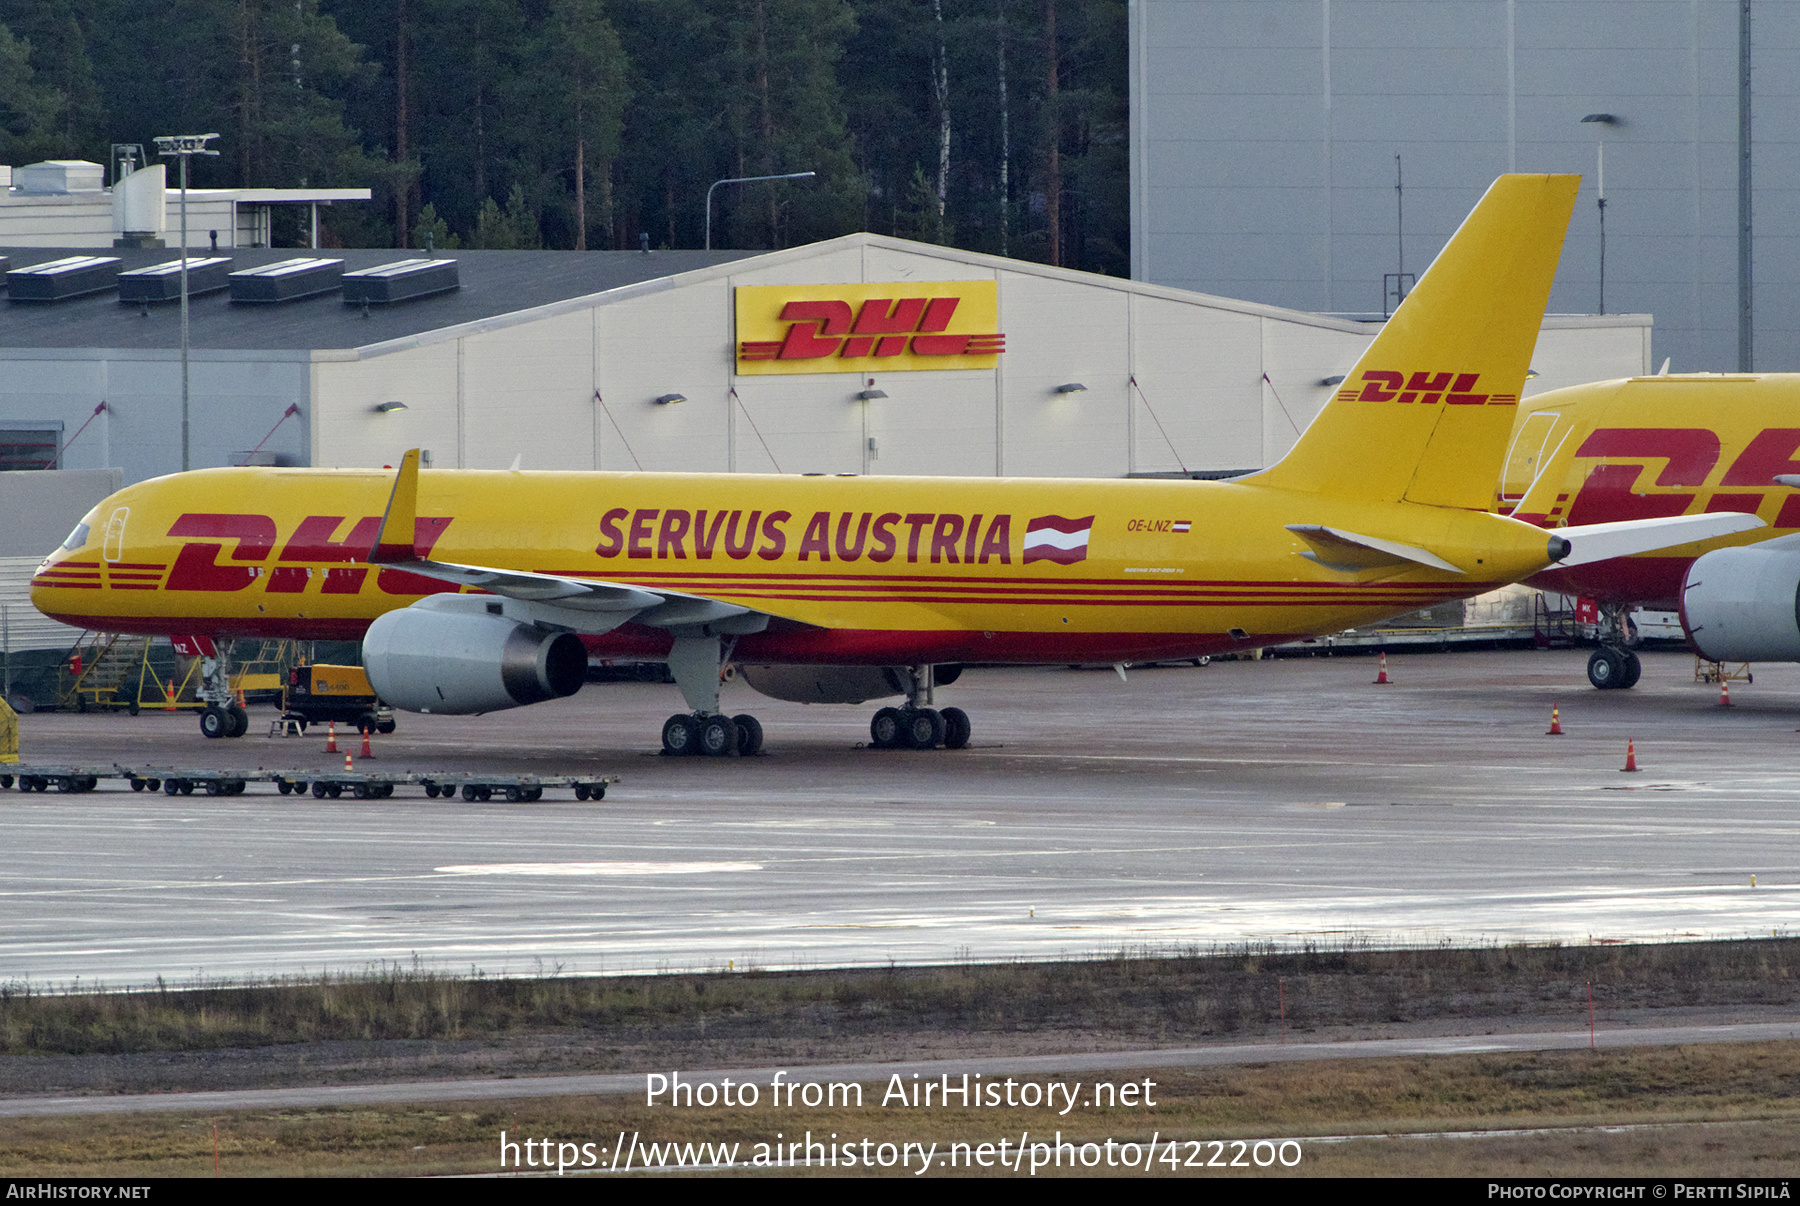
(1670, 445)
(476, 591)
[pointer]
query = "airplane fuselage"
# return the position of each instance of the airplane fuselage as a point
(853, 570)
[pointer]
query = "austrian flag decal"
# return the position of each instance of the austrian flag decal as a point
(1053, 538)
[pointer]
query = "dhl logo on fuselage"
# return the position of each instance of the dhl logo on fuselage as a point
(310, 555)
(894, 327)
(1612, 486)
(1424, 388)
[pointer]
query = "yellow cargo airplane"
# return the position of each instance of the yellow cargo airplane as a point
(475, 591)
(1669, 445)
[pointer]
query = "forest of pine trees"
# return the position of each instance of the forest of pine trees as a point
(993, 125)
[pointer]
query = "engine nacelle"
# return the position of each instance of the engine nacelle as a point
(449, 655)
(1743, 605)
(825, 684)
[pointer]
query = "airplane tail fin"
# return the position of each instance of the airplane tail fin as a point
(1425, 415)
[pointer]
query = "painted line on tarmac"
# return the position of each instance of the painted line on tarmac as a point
(618, 1084)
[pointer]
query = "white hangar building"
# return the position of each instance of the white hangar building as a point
(911, 359)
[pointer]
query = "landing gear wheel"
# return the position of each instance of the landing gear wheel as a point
(718, 737)
(750, 736)
(956, 728)
(1634, 670)
(884, 729)
(924, 729)
(214, 723)
(240, 721)
(1606, 669)
(680, 735)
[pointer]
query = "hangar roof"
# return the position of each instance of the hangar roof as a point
(493, 283)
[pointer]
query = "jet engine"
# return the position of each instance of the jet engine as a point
(1743, 604)
(456, 661)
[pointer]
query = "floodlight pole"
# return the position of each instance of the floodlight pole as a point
(744, 180)
(185, 146)
(1602, 120)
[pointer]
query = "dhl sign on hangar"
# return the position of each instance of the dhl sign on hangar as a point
(905, 326)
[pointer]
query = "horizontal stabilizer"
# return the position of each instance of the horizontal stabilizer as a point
(1593, 542)
(1337, 549)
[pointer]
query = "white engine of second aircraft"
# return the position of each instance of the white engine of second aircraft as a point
(1743, 604)
(452, 655)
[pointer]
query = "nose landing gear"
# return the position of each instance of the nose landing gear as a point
(1614, 667)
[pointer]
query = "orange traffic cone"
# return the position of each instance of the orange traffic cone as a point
(1724, 693)
(1630, 756)
(169, 697)
(366, 751)
(1381, 678)
(347, 765)
(331, 737)
(1555, 723)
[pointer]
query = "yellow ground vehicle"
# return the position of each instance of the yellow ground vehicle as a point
(316, 694)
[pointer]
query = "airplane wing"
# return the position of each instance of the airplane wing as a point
(607, 604)
(1603, 541)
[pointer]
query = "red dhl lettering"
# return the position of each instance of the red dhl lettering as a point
(1616, 489)
(676, 534)
(197, 565)
(1428, 389)
(884, 327)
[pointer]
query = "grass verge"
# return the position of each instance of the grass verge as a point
(1129, 998)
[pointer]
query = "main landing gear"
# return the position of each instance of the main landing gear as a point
(717, 735)
(223, 716)
(918, 725)
(1613, 667)
(695, 661)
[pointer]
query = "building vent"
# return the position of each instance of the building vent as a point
(162, 282)
(55, 176)
(75, 276)
(287, 281)
(400, 281)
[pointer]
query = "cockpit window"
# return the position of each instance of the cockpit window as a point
(76, 539)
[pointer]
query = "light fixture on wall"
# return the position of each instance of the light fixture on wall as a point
(1073, 387)
(382, 408)
(669, 399)
(869, 395)
(1337, 380)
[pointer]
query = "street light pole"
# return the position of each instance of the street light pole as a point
(185, 146)
(1603, 120)
(744, 180)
